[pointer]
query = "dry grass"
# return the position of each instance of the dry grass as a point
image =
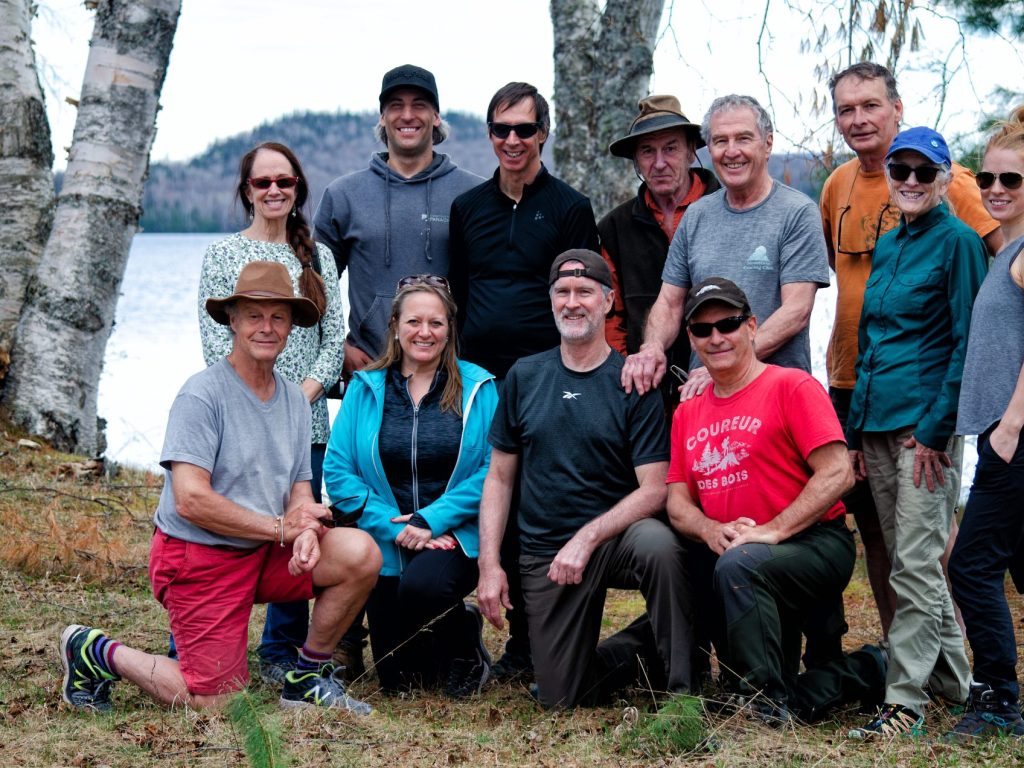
(75, 551)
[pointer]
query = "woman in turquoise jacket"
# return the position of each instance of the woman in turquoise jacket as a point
(410, 449)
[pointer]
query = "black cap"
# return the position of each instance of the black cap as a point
(715, 289)
(594, 267)
(409, 76)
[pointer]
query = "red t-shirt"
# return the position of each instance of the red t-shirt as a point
(746, 455)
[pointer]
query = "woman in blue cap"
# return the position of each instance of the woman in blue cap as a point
(912, 341)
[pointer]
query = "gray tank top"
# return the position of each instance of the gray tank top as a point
(995, 347)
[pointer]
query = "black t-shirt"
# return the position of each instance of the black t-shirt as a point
(579, 437)
(501, 253)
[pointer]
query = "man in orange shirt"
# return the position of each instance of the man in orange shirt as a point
(855, 212)
(662, 143)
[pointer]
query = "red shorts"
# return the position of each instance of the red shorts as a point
(209, 593)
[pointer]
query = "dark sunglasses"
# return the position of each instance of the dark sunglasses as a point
(1008, 179)
(435, 280)
(723, 326)
(523, 130)
(283, 182)
(925, 174)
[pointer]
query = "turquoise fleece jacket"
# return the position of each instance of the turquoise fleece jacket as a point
(353, 471)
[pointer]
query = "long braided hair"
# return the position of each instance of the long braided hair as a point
(311, 285)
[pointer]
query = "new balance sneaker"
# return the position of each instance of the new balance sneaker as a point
(893, 720)
(86, 684)
(467, 676)
(320, 688)
(986, 714)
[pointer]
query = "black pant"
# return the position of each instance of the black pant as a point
(756, 601)
(418, 623)
(990, 538)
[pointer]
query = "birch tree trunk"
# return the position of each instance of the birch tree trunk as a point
(26, 159)
(69, 310)
(603, 64)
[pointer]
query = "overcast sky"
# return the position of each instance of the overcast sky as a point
(237, 63)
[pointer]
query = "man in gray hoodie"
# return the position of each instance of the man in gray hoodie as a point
(391, 220)
(386, 222)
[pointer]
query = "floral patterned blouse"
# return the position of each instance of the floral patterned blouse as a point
(311, 353)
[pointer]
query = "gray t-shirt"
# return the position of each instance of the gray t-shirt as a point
(995, 346)
(778, 241)
(254, 451)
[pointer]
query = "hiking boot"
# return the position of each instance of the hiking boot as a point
(320, 688)
(86, 684)
(272, 673)
(349, 656)
(986, 714)
(467, 676)
(512, 665)
(772, 713)
(893, 720)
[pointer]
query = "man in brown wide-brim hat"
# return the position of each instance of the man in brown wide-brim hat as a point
(662, 143)
(237, 524)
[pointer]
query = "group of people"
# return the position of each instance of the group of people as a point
(509, 424)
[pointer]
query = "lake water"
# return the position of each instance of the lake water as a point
(155, 345)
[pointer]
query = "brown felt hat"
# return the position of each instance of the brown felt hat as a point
(265, 281)
(657, 113)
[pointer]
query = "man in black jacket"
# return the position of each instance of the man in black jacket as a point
(662, 143)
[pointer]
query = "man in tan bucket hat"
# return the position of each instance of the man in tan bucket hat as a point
(236, 525)
(662, 143)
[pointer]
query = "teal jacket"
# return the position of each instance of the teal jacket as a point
(353, 471)
(914, 328)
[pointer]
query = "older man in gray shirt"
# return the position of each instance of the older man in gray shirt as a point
(764, 236)
(237, 524)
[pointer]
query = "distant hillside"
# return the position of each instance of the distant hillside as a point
(198, 195)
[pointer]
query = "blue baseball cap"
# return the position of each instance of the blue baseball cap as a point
(922, 140)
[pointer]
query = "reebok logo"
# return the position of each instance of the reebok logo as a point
(567, 395)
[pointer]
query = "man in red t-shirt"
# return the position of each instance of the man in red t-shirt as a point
(757, 472)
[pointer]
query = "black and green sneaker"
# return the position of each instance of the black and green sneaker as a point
(320, 688)
(86, 684)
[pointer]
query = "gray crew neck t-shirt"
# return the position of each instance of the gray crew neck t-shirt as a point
(776, 242)
(254, 451)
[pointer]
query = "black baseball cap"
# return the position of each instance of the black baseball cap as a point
(715, 289)
(409, 76)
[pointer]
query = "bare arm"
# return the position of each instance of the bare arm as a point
(1006, 435)
(788, 320)
(645, 369)
(649, 497)
(197, 502)
(831, 477)
(492, 589)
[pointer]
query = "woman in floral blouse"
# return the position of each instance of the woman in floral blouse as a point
(273, 190)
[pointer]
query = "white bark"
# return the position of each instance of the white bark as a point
(69, 311)
(603, 64)
(26, 159)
